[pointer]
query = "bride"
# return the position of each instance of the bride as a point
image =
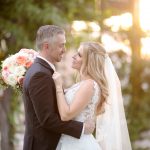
(97, 95)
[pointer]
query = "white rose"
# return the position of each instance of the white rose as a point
(20, 71)
(12, 68)
(8, 61)
(11, 80)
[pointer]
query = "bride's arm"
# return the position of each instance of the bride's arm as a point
(80, 101)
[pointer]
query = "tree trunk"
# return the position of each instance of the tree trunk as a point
(136, 66)
(5, 100)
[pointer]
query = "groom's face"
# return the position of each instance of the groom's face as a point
(57, 48)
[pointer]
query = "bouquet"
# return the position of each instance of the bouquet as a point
(15, 66)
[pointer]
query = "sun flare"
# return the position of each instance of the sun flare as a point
(145, 25)
(144, 14)
(123, 21)
(145, 47)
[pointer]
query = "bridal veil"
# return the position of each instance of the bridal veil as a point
(111, 126)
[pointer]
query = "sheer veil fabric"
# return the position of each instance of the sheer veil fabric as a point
(111, 126)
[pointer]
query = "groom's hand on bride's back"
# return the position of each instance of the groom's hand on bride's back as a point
(89, 126)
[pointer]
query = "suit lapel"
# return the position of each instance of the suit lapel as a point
(44, 63)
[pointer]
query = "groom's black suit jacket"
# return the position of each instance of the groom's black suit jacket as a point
(42, 120)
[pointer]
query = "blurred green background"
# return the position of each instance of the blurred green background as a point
(123, 26)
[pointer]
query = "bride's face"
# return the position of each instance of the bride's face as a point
(77, 59)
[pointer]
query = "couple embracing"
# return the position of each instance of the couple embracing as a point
(66, 120)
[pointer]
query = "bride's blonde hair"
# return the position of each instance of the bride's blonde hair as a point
(93, 65)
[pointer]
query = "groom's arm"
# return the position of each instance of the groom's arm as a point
(43, 96)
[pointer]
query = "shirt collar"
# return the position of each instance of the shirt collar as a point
(51, 65)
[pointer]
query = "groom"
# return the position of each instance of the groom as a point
(43, 124)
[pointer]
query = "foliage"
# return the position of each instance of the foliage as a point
(139, 117)
(20, 19)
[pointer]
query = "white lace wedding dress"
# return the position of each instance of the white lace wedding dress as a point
(86, 142)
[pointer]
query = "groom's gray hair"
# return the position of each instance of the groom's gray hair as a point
(47, 33)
